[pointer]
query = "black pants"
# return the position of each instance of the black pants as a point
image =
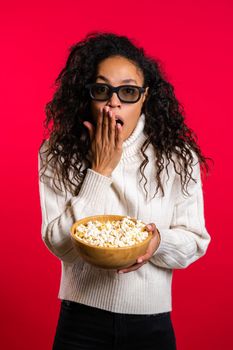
(83, 327)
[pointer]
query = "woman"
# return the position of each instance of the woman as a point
(118, 144)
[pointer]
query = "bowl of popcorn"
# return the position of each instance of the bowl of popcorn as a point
(110, 241)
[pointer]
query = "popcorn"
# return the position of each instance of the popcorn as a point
(116, 233)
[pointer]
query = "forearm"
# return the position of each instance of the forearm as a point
(179, 248)
(56, 224)
(187, 239)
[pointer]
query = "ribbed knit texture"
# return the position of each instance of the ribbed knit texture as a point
(179, 218)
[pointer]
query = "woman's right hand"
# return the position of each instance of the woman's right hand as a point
(106, 142)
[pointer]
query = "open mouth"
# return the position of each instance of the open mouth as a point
(118, 120)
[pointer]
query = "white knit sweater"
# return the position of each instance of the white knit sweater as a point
(179, 219)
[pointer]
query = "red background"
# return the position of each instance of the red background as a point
(193, 39)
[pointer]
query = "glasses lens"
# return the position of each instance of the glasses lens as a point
(129, 94)
(100, 92)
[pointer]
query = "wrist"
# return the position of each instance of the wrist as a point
(102, 172)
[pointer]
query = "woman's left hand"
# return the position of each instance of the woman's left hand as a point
(153, 245)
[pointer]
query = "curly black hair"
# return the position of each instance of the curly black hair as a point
(69, 140)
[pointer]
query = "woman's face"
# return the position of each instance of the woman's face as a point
(118, 71)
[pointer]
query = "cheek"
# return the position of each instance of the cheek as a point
(95, 108)
(134, 113)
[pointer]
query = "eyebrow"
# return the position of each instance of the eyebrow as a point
(123, 81)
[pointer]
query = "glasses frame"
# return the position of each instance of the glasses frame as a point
(116, 89)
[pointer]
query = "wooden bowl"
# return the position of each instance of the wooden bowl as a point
(108, 257)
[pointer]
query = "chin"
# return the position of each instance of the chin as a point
(128, 133)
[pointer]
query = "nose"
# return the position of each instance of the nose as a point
(114, 101)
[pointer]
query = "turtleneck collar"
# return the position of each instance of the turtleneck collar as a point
(133, 143)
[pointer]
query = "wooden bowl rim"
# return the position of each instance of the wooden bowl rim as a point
(108, 248)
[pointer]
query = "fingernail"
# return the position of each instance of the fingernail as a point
(139, 260)
(149, 227)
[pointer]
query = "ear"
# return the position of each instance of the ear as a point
(145, 94)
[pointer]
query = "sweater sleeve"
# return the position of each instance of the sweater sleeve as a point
(187, 239)
(59, 214)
